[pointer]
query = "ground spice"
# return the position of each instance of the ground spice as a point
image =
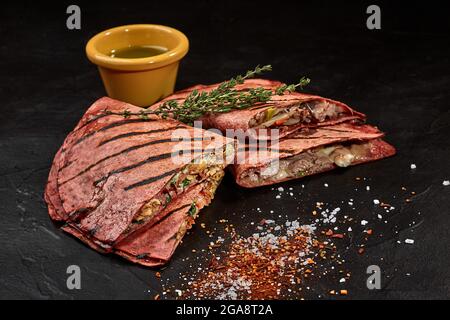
(263, 266)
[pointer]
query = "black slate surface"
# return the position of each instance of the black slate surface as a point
(399, 76)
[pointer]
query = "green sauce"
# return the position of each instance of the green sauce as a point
(137, 52)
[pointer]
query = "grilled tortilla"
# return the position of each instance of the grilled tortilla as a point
(114, 176)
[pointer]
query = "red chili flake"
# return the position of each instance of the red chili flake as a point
(257, 267)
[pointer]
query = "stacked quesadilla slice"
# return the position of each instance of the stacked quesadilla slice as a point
(292, 135)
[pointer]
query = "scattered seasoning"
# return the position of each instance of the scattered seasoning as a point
(280, 259)
(158, 274)
(262, 266)
(413, 166)
(446, 183)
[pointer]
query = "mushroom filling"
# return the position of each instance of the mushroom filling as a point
(191, 175)
(305, 112)
(309, 162)
(209, 187)
(207, 170)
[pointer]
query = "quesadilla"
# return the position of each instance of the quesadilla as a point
(115, 176)
(309, 151)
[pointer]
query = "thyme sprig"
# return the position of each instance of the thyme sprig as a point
(224, 98)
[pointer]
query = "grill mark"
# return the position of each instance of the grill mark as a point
(247, 149)
(135, 133)
(170, 213)
(150, 180)
(68, 163)
(133, 148)
(79, 214)
(148, 160)
(163, 175)
(110, 126)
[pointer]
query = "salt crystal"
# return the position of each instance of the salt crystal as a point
(350, 203)
(364, 222)
(342, 280)
(380, 216)
(278, 197)
(376, 201)
(368, 188)
(409, 241)
(349, 229)
(280, 189)
(413, 166)
(446, 183)
(325, 185)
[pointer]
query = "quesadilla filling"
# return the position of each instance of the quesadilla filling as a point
(209, 189)
(309, 162)
(303, 113)
(206, 170)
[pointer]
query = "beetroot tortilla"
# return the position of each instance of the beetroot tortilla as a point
(114, 176)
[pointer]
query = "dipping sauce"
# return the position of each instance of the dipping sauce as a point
(137, 52)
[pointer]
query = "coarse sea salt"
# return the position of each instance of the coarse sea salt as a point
(409, 241)
(376, 201)
(446, 183)
(364, 222)
(413, 166)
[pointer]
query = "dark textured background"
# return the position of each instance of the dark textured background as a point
(399, 76)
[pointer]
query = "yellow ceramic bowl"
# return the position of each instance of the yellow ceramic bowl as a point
(141, 81)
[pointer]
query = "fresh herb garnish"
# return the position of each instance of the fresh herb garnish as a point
(192, 210)
(224, 98)
(185, 183)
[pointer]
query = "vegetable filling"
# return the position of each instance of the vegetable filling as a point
(309, 162)
(207, 171)
(305, 113)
